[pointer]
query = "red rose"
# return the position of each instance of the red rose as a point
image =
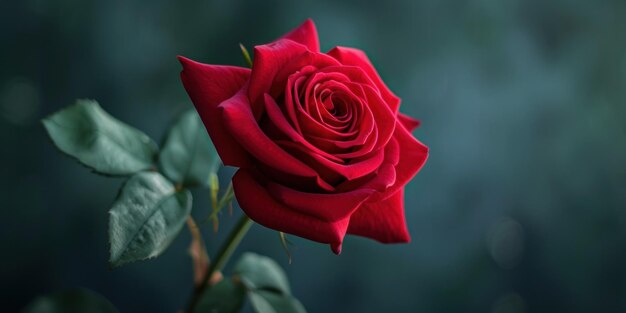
(321, 147)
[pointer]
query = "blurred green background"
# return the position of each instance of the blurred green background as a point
(520, 208)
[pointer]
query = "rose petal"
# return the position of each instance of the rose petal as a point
(383, 221)
(241, 124)
(256, 202)
(268, 60)
(328, 122)
(326, 206)
(376, 129)
(408, 122)
(356, 57)
(385, 119)
(208, 86)
(355, 168)
(380, 180)
(353, 146)
(412, 156)
(305, 34)
(280, 122)
(312, 127)
(275, 62)
(292, 97)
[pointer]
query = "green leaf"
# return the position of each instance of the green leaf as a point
(269, 302)
(99, 141)
(267, 285)
(71, 301)
(224, 297)
(146, 217)
(260, 272)
(188, 156)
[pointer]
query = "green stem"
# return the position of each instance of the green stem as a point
(224, 254)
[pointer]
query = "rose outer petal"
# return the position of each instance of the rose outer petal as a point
(268, 60)
(408, 122)
(381, 217)
(411, 157)
(326, 206)
(305, 34)
(274, 63)
(383, 221)
(265, 210)
(208, 86)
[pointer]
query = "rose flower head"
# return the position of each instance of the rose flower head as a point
(321, 148)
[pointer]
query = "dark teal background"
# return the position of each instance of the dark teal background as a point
(520, 208)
